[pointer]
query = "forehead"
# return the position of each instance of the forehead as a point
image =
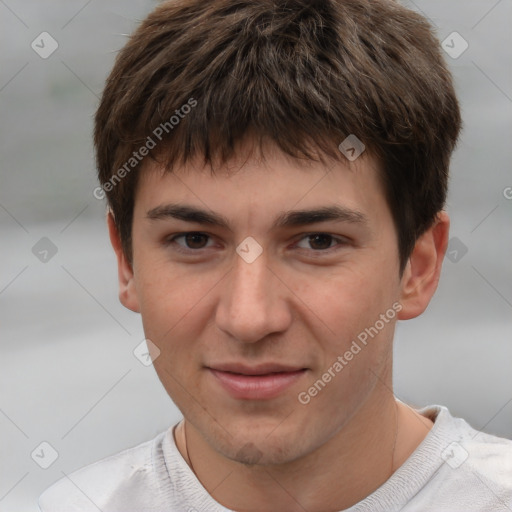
(253, 188)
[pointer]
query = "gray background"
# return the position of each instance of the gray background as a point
(68, 373)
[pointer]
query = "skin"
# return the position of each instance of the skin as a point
(298, 304)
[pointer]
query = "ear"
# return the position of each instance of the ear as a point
(127, 291)
(423, 269)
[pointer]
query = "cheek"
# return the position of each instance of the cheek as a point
(170, 301)
(358, 348)
(353, 340)
(352, 301)
(174, 308)
(356, 354)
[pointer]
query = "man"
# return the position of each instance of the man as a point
(276, 174)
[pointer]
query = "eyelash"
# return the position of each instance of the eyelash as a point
(342, 241)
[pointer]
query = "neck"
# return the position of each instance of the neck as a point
(342, 472)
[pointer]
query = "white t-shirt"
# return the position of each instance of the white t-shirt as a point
(472, 474)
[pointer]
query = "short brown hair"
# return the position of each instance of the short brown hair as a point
(304, 74)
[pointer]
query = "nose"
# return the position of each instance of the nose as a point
(253, 302)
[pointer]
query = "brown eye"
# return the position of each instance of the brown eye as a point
(320, 241)
(196, 240)
(189, 242)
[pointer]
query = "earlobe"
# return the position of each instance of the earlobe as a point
(422, 272)
(127, 290)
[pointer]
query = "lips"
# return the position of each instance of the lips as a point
(261, 369)
(261, 382)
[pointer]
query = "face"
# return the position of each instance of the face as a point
(255, 334)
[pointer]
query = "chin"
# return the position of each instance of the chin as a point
(262, 450)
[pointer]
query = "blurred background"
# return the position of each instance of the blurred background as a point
(69, 376)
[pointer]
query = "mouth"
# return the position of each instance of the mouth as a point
(261, 382)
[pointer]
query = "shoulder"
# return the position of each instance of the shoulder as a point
(480, 452)
(130, 474)
(475, 468)
(490, 457)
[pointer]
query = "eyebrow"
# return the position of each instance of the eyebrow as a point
(292, 218)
